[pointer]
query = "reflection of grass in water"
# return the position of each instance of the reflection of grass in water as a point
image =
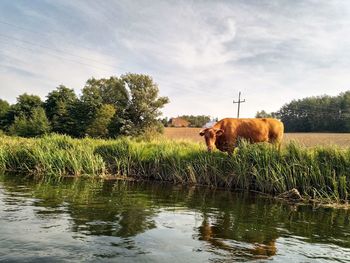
(125, 209)
(316, 172)
(95, 207)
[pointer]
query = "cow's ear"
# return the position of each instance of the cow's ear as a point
(202, 132)
(219, 132)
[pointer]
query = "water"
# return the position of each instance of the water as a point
(142, 222)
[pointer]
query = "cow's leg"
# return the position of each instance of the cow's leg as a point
(230, 149)
(230, 152)
(277, 144)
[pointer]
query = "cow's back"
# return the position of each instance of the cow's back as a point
(254, 130)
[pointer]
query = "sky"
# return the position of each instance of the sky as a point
(200, 53)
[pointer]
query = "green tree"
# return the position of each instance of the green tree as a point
(110, 91)
(91, 100)
(99, 126)
(26, 104)
(144, 106)
(4, 107)
(165, 121)
(4, 110)
(196, 121)
(315, 114)
(344, 111)
(97, 92)
(58, 106)
(35, 125)
(263, 114)
(24, 108)
(83, 110)
(132, 98)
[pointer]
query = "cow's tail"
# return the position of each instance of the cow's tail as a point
(276, 134)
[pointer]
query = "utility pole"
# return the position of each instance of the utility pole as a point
(239, 103)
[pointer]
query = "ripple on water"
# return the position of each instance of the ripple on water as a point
(295, 247)
(149, 223)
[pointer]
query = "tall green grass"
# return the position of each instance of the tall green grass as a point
(321, 172)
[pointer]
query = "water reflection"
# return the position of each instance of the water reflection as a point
(97, 209)
(123, 219)
(262, 247)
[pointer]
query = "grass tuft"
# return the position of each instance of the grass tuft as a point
(320, 172)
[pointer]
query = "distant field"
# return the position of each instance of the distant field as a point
(306, 139)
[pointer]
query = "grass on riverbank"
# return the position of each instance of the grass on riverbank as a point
(319, 173)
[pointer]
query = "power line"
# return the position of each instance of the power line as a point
(92, 66)
(59, 57)
(61, 51)
(24, 28)
(54, 49)
(89, 65)
(109, 14)
(72, 43)
(85, 64)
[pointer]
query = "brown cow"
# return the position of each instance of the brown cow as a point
(224, 133)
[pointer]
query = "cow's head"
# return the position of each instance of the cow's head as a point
(210, 136)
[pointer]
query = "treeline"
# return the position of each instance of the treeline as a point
(107, 107)
(194, 120)
(315, 114)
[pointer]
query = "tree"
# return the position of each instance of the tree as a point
(344, 111)
(165, 121)
(90, 101)
(143, 108)
(322, 113)
(26, 104)
(111, 91)
(27, 117)
(107, 107)
(97, 92)
(4, 107)
(4, 110)
(263, 114)
(196, 121)
(58, 106)
(99, 126)
(35, 125)
(24, 108)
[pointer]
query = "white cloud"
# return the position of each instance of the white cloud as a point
(38, 71)
(201, 53)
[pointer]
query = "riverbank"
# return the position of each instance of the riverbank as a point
(320, 173)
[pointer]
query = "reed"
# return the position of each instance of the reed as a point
(319, 172)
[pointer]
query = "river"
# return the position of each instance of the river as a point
(121, 221)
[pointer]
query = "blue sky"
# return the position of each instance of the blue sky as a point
(201, 53)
